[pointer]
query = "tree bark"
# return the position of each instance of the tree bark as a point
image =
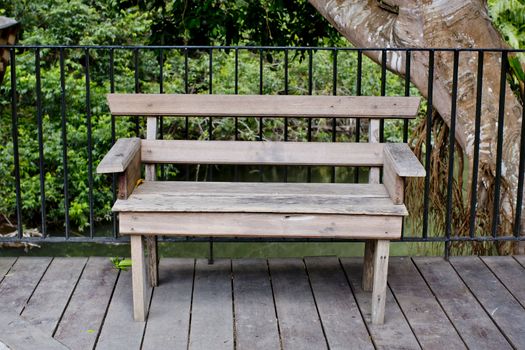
(444, 24)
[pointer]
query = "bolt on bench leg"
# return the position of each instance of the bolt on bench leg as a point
(138, 270)
(368, 265)
(380, 281)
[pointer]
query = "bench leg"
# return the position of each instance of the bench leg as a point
(153, 260)
(138, 270)
(380, 281)
(368, 265)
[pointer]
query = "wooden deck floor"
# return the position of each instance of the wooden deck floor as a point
(315, 303)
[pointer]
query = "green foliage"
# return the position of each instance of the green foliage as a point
(121, 263)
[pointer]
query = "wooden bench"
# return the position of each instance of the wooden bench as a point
(372, 212)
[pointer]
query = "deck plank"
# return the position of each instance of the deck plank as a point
(340, 316)
(255, 319)
(52, 294)
(18, 334)
(21, 281)
(169, 316)
(510, 273)
(395, 333)
(426, 317)
(504, 309)
(119, 330)
(472, 322)
(83, 317)
(296, 311)
(5, 265)
(212, 314)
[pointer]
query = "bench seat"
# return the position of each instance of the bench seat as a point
(307, 210)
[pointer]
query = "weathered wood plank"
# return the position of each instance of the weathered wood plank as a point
(212, 314)
(261, 153)
(426, 317)
(119, 156)
(5, 265)
(296, 311)
(127, 180)
(342, 322)
(21, 281)
(18, 334)
(169, 317)
(255, 319)
(501, 306)
(174, 202)
(263, 105)
(151, 242)
(473, 324)
(84, 315)
(138, 277)
(395, 333)
(510, 273)
(119, 330)
(261, 225)
(52, 294)
(394, 184)
(153, 188)
(381, 255)
(403, 160)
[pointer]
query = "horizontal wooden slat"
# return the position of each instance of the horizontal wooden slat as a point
(403, 161)
(262, 153)
(119, 156)
(261, 225)
(304, 201)
(263, 105)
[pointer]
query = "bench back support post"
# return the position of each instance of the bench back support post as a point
(151, 241)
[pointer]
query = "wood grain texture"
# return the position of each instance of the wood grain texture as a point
(263, 105)
(343, 325)
(151, 241)
(298, 318)
(50, 298)
(212, 314)
(5, 265)
(510, 273)
(120, 331)
(381, 255)
(84, 315)
(394, 184)
(426, 317)
(127, 180)
(261, 225)
(497, 301)
(403, 160)
(18, 285)
(16, 333)
(476, 328)
(144, 201)
(255, 319)
(169, 315)
(119, 156)
(393, 334)
(139, 284)
(261, 153)
(368, 265)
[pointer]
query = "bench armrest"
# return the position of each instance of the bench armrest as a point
(119, 156)
(402, 160)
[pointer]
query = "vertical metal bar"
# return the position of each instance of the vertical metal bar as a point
(261, 120)
(519, 195)
(41, 163)
(428, 141)
(334, 92)
(358, 93)
(186, 119)
(236, 89)
(64, 141)
(310, 90)
(210, 132)
(286, 118)
(499, 153)
(383, 93)
(408, 59)
(451, 147)
(89, 146)
(14, 131)
(161, 118)
(137, 86)
(477, 133)
(114, 224)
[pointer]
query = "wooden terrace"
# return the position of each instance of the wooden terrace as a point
(315, 303)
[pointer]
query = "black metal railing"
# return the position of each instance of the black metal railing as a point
(165, 69)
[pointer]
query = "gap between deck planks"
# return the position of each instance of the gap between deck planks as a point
(275, 303)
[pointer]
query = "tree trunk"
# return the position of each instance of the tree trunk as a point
(444, 24)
